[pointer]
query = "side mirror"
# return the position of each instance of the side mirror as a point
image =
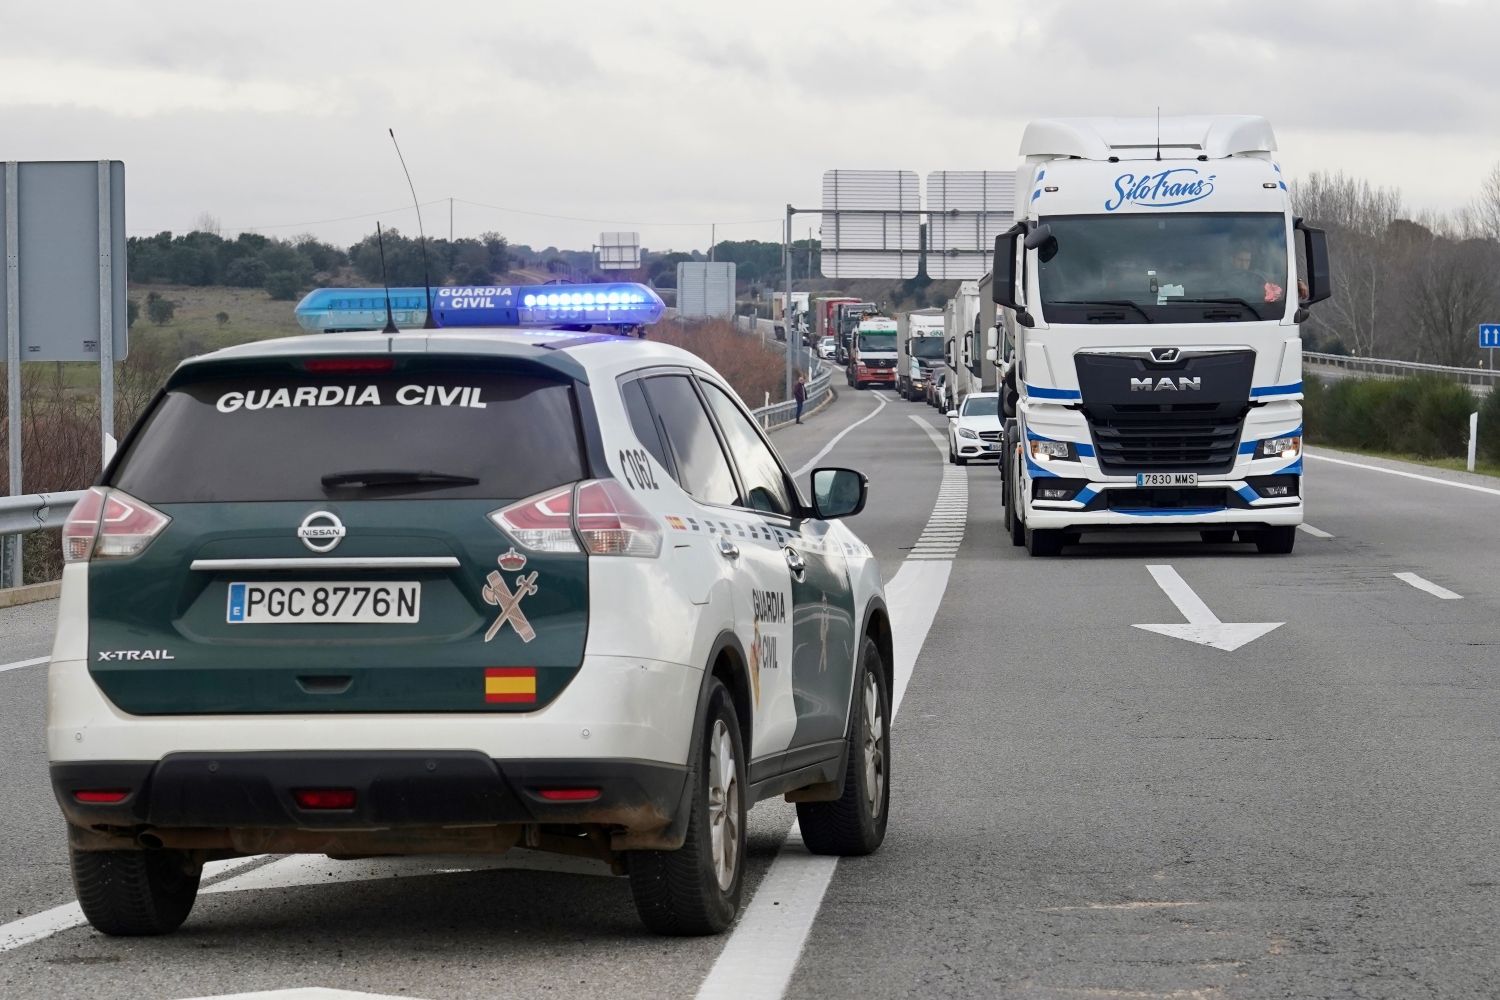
(992, 338)
(952, 414)
(1003, 271)
(1319, 280)
(838, 493)
(991, 355)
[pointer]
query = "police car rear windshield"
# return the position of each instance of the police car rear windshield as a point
(495, 435)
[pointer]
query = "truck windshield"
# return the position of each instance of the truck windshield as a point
(1165, 268)
(927, 348)
(877, 342)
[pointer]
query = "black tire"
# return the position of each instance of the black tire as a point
(1217, 536)
(680, 892)
(1043, 541)
(963, 461)
(1072, 537)
(952, 458)
(1013, 510)
(135, 893)
(1277, 541)
(855, 824)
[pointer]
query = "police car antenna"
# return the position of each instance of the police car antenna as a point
(426, 275)
(390, 317)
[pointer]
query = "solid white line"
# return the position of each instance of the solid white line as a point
(1188, 602)
(1315, 532)
(23, 663)
(1406, 475)
(762, 952)
(836, 439)
(1429, 586)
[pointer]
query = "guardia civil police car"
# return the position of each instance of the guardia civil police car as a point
(461, 590)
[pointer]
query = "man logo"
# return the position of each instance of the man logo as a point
(1164, 384)
(1164, 355)
(321, 531)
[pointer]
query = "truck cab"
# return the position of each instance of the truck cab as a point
(1150, 281)
(919, 348)
(872, 352)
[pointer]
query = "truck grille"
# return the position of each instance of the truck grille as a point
(1166, 438)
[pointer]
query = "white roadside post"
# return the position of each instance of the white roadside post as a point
(1473, 437)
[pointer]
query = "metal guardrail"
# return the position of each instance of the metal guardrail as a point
(35, 511)
(1382, 368)
(819, 386)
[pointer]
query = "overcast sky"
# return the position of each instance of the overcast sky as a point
(571, 118)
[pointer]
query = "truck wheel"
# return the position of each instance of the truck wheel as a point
(1043, 542)
(855, 824)
(135, 893)
(1217, 536)
(1277, 541)
(695, 890)
(1013, 510)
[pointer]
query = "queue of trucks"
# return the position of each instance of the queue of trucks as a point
(1140, 324)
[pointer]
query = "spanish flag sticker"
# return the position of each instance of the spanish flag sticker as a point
(511, 685)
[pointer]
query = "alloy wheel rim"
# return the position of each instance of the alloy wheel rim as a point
(874, 747)
(723, 805)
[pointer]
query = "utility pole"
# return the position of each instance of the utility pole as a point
(713, 228)
(450, 221)
(786, 314)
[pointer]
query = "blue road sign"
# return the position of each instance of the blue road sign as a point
(1489, 334)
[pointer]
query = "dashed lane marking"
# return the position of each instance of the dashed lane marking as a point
(34, 661)
(762, 952)
(1428, 586)
(1315, 532)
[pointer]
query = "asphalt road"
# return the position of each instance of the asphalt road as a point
(1080, 808)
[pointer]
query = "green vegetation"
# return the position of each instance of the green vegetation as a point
(1425, 417)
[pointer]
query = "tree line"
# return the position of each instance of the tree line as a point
(1413, 286)
(288, 268)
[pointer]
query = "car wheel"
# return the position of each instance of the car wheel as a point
(963, 461)
(135, 893)
(695, 890)
(855, 823)
(1277, 541)
(952, 458)
(1217, 536)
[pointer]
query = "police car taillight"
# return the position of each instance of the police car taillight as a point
(611, 522)
(108, 524)
(543, 523)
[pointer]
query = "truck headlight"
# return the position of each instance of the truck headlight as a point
(1282, 447)
(964, 432)
(1046, 451)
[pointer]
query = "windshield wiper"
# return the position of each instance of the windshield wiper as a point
(1102, 302)
(1242, 303)
(366, 478)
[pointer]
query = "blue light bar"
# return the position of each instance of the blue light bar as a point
(615, 303)
(603, 304)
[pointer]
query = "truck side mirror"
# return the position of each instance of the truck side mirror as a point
(990, 355)
(1319, 281)
(992, 337)
(1003, 271)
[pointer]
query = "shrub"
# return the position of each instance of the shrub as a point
(1426, 416)
(283, 285)
(1489, 426)
(160, 309)
(752, 371)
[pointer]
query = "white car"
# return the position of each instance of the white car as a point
(974, 430)
(491, 588)
(827, 347)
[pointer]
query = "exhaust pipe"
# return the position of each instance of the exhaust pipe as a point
(149, 840)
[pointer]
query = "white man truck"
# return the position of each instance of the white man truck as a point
(1150, 284)
(919, 350)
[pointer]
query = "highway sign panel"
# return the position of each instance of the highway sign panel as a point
(966, 210)
(1489, 334)
(871, 227)
(619, 251)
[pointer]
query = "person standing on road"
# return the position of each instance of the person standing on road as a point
(799, 393)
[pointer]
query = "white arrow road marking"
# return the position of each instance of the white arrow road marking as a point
(1429, 586)
(762, 952)
(1203, 626)
(1315, 532)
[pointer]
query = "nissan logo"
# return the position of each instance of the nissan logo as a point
(321, 531)
(1164, 355)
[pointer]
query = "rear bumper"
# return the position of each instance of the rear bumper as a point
(393, 790)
